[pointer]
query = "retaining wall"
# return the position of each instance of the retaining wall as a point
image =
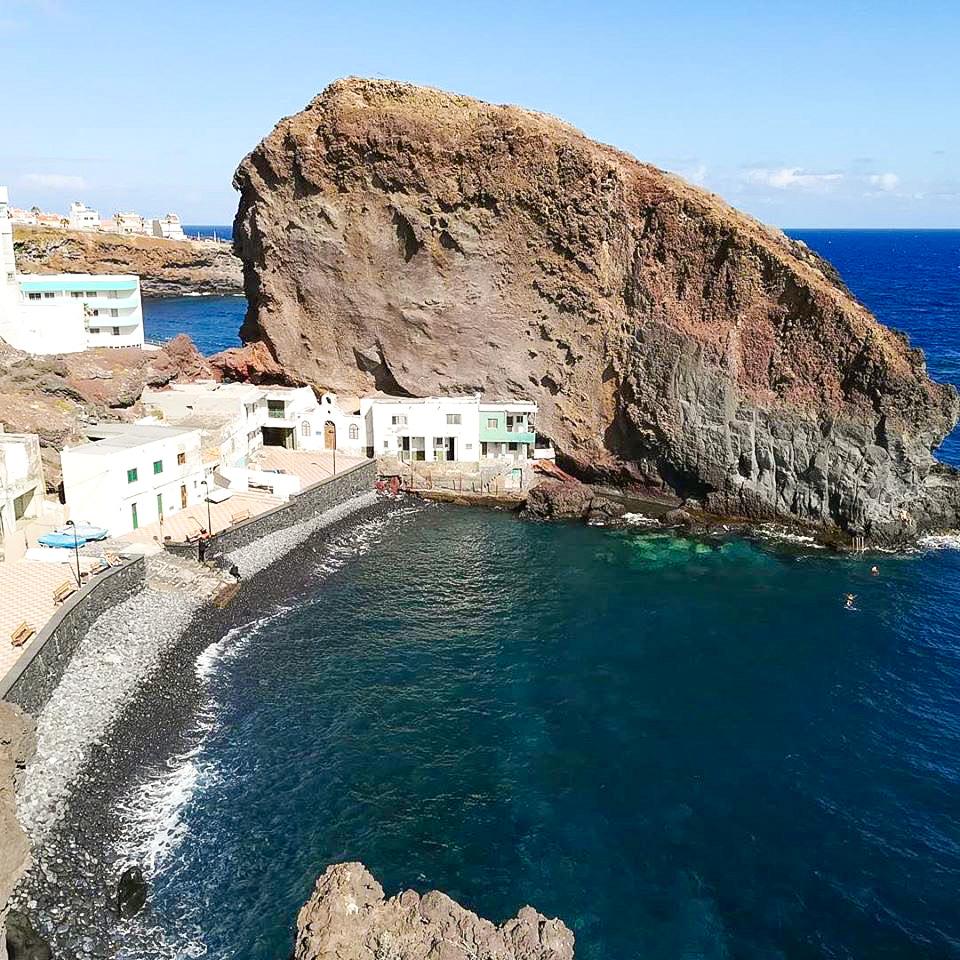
(41, 666)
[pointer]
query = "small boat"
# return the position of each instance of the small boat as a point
(86, 530)
(62, 540)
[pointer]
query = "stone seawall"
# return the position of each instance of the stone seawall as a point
(309, 503)
(30, 683)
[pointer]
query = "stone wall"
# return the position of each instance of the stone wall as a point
(309, 503)
(17, 743)
(30, 683)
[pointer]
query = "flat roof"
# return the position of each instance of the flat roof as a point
(38, 283)
(112, 437)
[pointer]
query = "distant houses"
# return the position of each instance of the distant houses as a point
(64, 313)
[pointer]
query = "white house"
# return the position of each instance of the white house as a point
(67, 312)
(428, 428)
(507, 430)
(21, 480)
(339, 425)
(128, 223)
(229, 416)
(131, 475)
(168, 227)
(82, 217)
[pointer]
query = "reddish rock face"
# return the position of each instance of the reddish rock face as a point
(418, 242)
(252, 363)
(348, 918)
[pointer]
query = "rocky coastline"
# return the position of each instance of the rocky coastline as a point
(167, 268)
(418, 242)
(349, 918)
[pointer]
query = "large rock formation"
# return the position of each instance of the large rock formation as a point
(166, 268)
(17, 743)
(418, 242)
(348, 918)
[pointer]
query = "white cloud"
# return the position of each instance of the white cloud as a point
(787, 178)
(53, 181)
(884, 181)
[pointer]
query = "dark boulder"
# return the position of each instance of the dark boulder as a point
(23, 942)
(557, 500)
(131, 892)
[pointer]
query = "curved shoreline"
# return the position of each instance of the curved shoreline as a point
(69, 800)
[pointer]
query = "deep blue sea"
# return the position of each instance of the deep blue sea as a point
(685, 750)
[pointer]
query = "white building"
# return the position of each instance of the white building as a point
(21, 480)
(68, 312)
(168, 227)
(82, 217)
(507, 430)
(229, 416)
(26, 218)
(427, 429)
(131, 475)
(128, 223)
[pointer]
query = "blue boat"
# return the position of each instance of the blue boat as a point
(61, 540)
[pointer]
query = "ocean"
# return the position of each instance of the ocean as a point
(682, 748)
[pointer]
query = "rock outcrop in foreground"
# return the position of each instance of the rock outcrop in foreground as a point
(17, 743)
(418, 242)
(166, 268)
(348, 918)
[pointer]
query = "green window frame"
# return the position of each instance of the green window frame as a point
(158, 466)
(132, 475)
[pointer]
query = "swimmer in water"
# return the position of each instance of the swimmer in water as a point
(850, 600)
(874, 571)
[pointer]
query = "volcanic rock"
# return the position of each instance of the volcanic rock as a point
(416, 242)
(166, 267)
(348, 918)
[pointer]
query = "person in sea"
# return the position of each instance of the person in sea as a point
(874, 571)
(849, 601)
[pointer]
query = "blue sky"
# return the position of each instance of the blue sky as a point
(804, 114)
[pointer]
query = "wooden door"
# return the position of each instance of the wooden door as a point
(330, 435)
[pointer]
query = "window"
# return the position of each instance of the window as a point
(132, 476)
(94, 329)
(305, 429)
(386, 444)
(275, 409)
(181, 459)
(114, 312)
(158, 466)
(453, 419)
(33, 296)
(116, 331)
(133, 512)
(354, 432)
(492, 423)
(160, 505)
(399, 420)
(468, 446)
(91, 293)
(438, 441)
(76, 294)
(49, 296)
(513, 446)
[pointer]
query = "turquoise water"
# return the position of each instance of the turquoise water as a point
(683, 749)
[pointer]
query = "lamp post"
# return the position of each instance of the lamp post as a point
(206, 487)
(76, 548)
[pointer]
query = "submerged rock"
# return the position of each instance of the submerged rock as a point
(349, 918)
(417, 242)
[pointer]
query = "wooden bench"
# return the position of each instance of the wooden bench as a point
(63, 591)
(22, 634)
(239, 516)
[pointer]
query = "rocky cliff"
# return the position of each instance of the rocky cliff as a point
(348, 918)
(166, 268)
(418, 242)
(17, 741)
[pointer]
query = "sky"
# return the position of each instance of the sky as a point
(813, 114)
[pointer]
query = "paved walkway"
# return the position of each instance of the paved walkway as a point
(26, 594)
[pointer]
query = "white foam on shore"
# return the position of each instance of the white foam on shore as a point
(783, 535)
(640, 520)
(119, 650)
(940, 541)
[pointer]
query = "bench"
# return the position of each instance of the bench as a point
(239, 516)
(22, 634)
(63, 591)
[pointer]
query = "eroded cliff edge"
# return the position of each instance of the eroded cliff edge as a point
(166, 268)
(418, 242)
(17, 743)
(348, 918)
